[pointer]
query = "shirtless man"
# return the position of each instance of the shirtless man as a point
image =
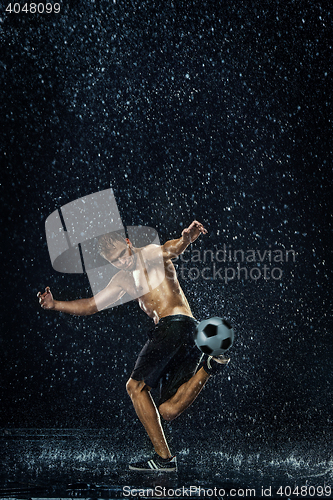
(170, 357)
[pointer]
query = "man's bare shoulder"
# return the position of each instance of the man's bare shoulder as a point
(119, 281)
(120, 278)
(151, 252)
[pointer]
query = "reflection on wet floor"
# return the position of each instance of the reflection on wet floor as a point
(81, 464)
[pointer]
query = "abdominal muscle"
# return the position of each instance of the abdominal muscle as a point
(161, 293)
(166, 300)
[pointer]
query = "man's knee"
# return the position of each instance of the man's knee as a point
(135, 387)
(167, 412)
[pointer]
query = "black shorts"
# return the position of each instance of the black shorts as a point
(170, 357)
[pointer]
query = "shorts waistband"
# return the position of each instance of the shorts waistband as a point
(167, 320)
(177, 317)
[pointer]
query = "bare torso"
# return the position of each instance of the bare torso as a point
(146, 274)
(156, 289)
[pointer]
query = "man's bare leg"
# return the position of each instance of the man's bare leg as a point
(169, 410)
(147, 412)
(184, 396)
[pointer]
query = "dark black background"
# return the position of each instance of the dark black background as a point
(216, 111)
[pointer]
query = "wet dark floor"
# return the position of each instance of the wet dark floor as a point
(83, 464)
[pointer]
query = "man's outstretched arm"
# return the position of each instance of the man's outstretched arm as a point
(171, 249)
(83, 307)
(80, 307)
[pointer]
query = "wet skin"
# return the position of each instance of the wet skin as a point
(149, 276)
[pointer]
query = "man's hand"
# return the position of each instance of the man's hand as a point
(193, 231)
(46, 299)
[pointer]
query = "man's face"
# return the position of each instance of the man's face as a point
(122, 256)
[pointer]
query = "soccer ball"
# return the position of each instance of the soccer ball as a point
(214, 336)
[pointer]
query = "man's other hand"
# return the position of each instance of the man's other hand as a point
(46, 299)
(191, 233)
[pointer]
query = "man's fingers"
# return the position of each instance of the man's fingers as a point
(201, 228)
(198, 224)
(47, 290)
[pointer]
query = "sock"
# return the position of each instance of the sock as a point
(163, 460)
